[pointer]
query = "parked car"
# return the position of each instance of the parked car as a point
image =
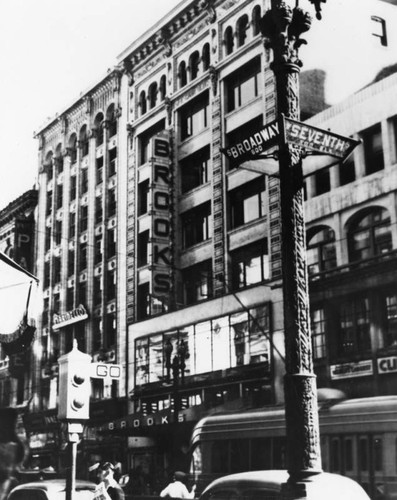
(51, 489)
(266, 485)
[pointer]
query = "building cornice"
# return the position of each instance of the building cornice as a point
(15, 208)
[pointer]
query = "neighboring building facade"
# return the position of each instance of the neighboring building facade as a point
(352, 245)
(157, 253)
(17, 240)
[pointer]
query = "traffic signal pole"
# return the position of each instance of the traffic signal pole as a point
(282, 27)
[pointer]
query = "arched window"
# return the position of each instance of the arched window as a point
(194, 61)
(98, 124)
(152, 95)
(163, 87)
(228, 40)
(256, 17)
(112, 120)
(182, 74)
(48, 164)
(206, 56)
(84, 143)
(241, 30)
(142, 102)
(370, 235)
(73, 148)
(321, 253)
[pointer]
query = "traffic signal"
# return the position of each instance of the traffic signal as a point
(74, 385)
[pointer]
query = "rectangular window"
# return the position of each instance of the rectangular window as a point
(83, 256)
(98, 210)
(111, 243)
(98, 249)
(57, 269)
(110, 330)
(250, 265)
(347, 171)
(143, 197)
(247, 202)
(195, 169)
(47, 238)
(47, 274)
(318, 332)
(197, 282)
(244, 85)
(143, 248)
(144, 141)
(193, 117)
(82, 292)
(49, 203)
(112, 161)
(83, 180)
(354, 327)
(69, 298)
(72, 225)
(373, 149)
(70, 262)
(58, 232)
(322, 182)
(391, 317)
(84, 218)
(59, 196)
(97, 290)
(112, 202)
(110, 284)
(99, 170)
(196, 225)
(73, 187)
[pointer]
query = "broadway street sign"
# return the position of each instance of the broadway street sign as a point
(307, 137)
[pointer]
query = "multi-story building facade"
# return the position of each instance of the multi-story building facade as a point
(157, 253)
(17, 241)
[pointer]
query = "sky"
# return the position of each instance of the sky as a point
(52, 50)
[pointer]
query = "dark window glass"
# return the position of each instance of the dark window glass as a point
(321, 252)
(99, 170)
(322, 182)
(58, 232)
(347, 171)
(152, 95)
(84, 180)
(57, 269)
(49, 203)
(73, 187)
(83, 256)
(198, 282)
(98, 210)
(112, 202)
(112, 161)
(242, 27)
(239, 455)
(370, 235)
(373, 149)
(195, 169)
(250, 264)
(220, 457)
(143, 197)
(354, 327)
(194, 62)
(83, 292)
(97, 290)
(142, 102)
(69, 299)
(206, 57)
(143, 248)
(244, 85)
(110, 284)
(194, 116)
(144, 141)
(182, 74)
(110, 330)
(318, 332)
(111, 243)
(196, 225)
(247, 202)
(83, 218)
(70, 262)
(59, 196)
(98, 249)
(72, 224)
(228, 40)
(256, 19)
(391, 319)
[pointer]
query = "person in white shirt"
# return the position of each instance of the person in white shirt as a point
(177, 489)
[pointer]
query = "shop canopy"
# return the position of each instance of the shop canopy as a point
(18, 290)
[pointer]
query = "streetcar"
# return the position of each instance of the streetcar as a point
(358, 440)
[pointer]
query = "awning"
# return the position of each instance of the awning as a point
(17, 288)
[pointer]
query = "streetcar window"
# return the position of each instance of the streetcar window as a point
(261, 457)
(335, 450)
(219, 456)
(363, 454)
(378, 451)
(279, 453)
(239, 455)
(348, 454)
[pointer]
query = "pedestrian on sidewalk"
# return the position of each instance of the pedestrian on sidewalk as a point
(108, 488)
(177, 488)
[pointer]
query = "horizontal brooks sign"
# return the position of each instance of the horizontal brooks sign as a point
(253, 145)
(298, 133)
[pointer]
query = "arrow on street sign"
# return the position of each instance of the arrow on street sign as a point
(105, 370)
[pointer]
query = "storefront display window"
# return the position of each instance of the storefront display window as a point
(218, 344)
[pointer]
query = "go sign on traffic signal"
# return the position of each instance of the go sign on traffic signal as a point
(74, 385)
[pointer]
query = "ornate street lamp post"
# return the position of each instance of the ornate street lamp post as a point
(282, 27)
